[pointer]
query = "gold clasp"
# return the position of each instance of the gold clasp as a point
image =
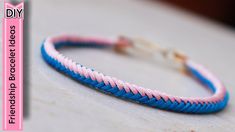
(146, 48)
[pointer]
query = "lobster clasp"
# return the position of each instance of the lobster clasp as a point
(145, 48)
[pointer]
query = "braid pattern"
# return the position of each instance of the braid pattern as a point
(125, 90)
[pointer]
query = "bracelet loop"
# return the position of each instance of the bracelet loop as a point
(125, 90)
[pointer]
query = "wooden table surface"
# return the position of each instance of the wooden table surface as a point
(55, 103)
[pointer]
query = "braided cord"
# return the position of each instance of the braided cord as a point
(125, 90)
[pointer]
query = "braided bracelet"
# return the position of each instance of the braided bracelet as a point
(131, 92)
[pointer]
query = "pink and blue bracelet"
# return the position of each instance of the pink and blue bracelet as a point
(128, 91)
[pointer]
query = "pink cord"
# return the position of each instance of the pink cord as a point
(49, 46)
